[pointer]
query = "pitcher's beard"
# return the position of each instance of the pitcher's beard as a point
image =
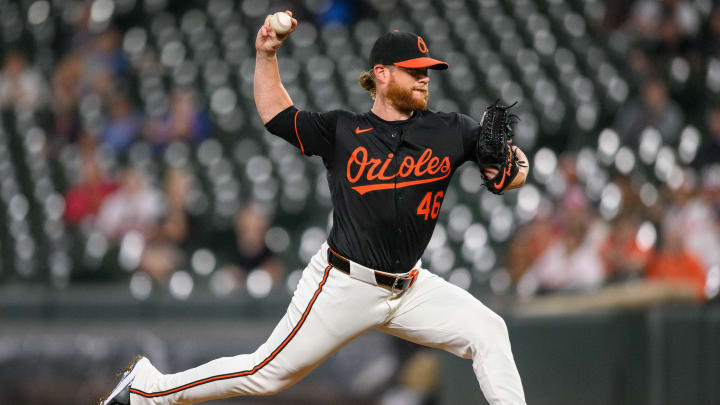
(403, 98)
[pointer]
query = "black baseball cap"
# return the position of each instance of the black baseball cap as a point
(403, 49)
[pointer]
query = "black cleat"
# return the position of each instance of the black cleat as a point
(121, 394)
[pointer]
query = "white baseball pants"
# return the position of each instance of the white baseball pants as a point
(328, 309)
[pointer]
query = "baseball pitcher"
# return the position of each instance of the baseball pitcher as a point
(388, 170)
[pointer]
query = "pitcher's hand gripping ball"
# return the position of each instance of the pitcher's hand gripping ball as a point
(494, 146)
(281, 23)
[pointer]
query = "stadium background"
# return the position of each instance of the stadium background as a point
(146, 210)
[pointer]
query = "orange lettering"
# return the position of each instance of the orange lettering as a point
(354, 158)
(407, 166)
(424, 206)
(445, 165)
(433, 165)
(385, 186)
(374, 163)
(382, 175)
(361, 165)
(424, 158)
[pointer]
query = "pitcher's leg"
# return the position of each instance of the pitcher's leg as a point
(324, 314)
(438, 314)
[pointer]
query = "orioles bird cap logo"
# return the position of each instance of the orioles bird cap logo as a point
(360, 131)
(421, 45)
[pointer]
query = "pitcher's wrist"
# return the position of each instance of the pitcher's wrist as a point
(266, 55)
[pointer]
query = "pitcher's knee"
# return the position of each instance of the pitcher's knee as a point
(272, 387)
(488, 330)
(499, 325)
(261, 386)
(270, 383)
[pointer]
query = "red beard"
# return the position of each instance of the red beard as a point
(403, 98)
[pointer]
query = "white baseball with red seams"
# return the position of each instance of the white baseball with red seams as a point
(281, 23)
(432, 312)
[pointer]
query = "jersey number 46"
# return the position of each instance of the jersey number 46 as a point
(425, 209)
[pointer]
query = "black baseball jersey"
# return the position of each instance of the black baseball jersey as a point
(387, 179)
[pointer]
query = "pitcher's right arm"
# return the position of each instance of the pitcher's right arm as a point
(268, 91)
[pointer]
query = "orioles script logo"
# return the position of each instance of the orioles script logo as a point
(362, 165)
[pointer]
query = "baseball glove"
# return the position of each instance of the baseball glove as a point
(494, 146)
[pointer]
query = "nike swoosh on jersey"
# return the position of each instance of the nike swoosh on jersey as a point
(360, 131)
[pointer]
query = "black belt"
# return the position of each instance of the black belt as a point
(395, 283)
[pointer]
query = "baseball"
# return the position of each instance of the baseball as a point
(281, 23)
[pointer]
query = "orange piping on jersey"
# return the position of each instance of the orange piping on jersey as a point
(247, 372)
(302, 150)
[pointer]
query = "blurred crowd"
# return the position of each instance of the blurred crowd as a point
(87, 100)
(664, 232)
(670, 235)
(667, 227)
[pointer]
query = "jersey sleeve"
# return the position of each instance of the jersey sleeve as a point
(470, 129)
(311, 132)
